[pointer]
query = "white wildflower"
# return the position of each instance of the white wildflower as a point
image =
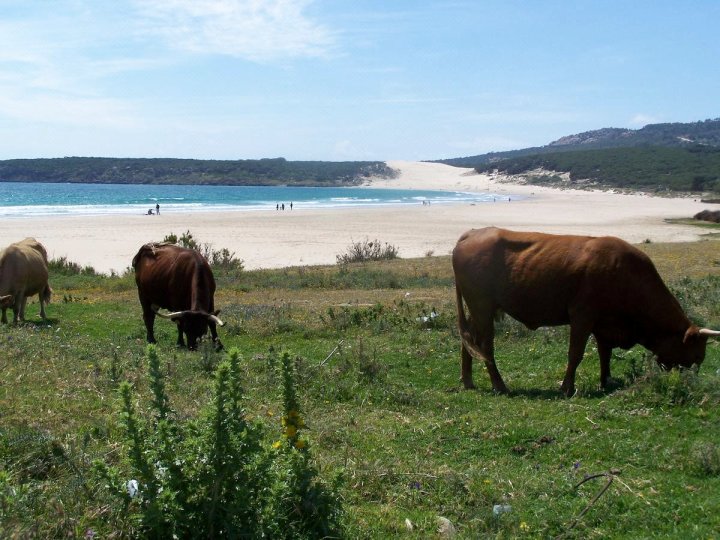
(133, 487)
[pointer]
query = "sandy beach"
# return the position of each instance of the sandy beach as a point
(309, 237)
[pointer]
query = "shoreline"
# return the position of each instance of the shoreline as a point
(316, 236)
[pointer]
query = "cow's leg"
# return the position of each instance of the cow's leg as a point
(485, 339)
(149, 320)
(487, 347)
(18, 306)
(579, 334)
(604, 352)
(180, 340)
(480, 345)
(6, 301)
(215, 338)
(23, 306)
(466, 368)
(42, 306)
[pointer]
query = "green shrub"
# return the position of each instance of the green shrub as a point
(706, 457)
(367, 250)
(62, 265)
(222, 259)
(216, 476)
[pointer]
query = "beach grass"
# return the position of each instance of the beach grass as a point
(378, 382)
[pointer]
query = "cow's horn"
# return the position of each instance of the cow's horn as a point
(172, 315)
(708, 332)
(217, 321)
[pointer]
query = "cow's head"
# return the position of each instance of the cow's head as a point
(194, 324)
(6, 301)
(686, 352)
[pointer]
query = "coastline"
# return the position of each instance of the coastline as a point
(316, 236)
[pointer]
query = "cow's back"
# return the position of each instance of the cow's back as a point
(540, 279)
(174, 278)
(23, 267)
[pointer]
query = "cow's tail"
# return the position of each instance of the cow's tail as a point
(46, 294)
(468, 341)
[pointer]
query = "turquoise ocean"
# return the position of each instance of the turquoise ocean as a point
(20, 199)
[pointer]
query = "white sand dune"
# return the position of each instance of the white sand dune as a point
(307, 237)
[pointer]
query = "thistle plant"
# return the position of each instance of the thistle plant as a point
(292, 420)
(304, 506)
(216, 476)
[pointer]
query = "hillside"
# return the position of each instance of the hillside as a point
(191, 171)
(651, 168)
(674, 135)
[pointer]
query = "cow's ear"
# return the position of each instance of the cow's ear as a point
(6, 301)
(691, 334)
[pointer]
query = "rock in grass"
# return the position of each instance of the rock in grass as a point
(445, 527)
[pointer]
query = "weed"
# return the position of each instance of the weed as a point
(220, 259)
(215, 476)
(706, 458)
(367, 250)
(62, 265)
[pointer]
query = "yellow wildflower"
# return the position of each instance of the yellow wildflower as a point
(290, 431)
(300, 444)
(277, 444)
(524, 527)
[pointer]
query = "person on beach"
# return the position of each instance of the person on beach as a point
(157, 209)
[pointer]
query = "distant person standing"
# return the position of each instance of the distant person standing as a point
(290, 205)
(157, 209)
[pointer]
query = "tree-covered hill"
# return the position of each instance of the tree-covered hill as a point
(192, 171)
(649, 168)
(674, 135)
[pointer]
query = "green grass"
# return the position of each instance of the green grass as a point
(385, 409)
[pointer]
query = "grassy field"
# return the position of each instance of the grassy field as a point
(380, 391)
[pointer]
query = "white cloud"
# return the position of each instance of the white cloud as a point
(67, 110)
(258, 30)
(642, 120)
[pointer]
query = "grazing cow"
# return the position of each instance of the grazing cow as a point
(600, 286)
(23, 273)
(179, 280)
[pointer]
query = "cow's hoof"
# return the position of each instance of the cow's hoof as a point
(568, 390)
(610, 384)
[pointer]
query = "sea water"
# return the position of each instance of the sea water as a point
(23, 199)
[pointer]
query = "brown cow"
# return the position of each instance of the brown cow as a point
(23, 273)
(180, 280)
(600, 286)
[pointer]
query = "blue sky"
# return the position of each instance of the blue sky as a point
(344, 79)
